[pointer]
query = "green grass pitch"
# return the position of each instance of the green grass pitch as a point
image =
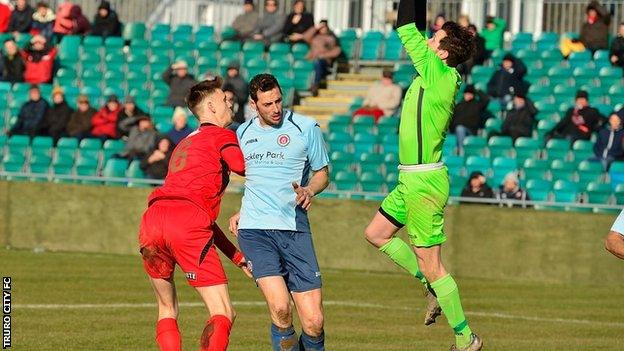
(75, 301)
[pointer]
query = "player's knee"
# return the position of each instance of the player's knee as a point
(432, 272)
(313, 325)
(282, 313)
(372, 236)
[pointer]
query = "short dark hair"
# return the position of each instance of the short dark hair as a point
(202, 90)
(261, 83)
(42, 4)
(459, 43)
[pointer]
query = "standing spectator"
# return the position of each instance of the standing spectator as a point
(579, 121)
(270, 26)
(245, 23)
(39, 57)
(43, 21)
(511, 190)
(57, 116)
(382, 99)
(437, 24)
(5, 16)
(141, 139)
(63, 24)
(617, 48)
(155, 165)
(298, 22)
(493, 33)
(104, 122)
(130, 109)
(520, 119)
(21, 18)
(79, 125)
(180, 129)
(594, 31)
(179, 81)
(508, 79)
(106, 23)
(609, 146)
(31, 113)
(234, 82)
(477, 187)
(13, 65)
(467, 115)
(324, 49)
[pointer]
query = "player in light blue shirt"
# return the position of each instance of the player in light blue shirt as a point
(285, 167)
(614, 242)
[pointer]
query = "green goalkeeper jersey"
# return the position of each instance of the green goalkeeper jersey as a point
(428, 104)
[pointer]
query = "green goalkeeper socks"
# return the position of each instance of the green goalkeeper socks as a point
(401, 254)
(448, 297)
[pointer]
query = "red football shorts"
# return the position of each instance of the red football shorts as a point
(177, 231)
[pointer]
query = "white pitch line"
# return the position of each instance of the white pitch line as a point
(326, 303)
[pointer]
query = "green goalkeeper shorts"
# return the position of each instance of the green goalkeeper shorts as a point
(418, 203)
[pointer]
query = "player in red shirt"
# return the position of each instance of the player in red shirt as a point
(179, 224)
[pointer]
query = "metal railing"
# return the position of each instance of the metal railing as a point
(567, 15)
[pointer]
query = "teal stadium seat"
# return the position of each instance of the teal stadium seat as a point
(500, 146)
(342, 161)
(563, 170)
(589, 171)
(527, 148)
(115, 168)
(598, 193)
(371, 162)
(133, 31)
(134, 170)
(12, 162)
(299, 51)
(370, 46)
(346, 181)
(535, 169)
(372, 182)
(477, 163)
(475, 145)
(393, 48)
(557, 149)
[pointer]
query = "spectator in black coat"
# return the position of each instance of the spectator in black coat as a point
(579, 122)
(467, 115)
(106, 23)
(130, 109)
(508, 79)
(79, 125)
(21, 18)
(520, 119)
(156, 164)
(298, 22)
(13, 65)
(511, 190)
(609, 146)
(179, 81)
(235, 83)
(31, 114)
(617, 48)
(477, 187)
(57, 116)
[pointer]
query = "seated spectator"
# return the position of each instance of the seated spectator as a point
(594, 31)
(39, 57)
(520, 119)
(479, 56)
(43, 21)
(155, 165)
(493, 33)
(579, 121)
(324, 49)
(129, 110)
(106, 23)
(104, 122)
(141, 139)
(477, 187)
(179, 81)
(180, 129)
(64, 24)
(437, 24)
(21, 18)
(511, 190)
(13, 65)
(616, 52)
(463, 20)
(79, 125)
(507, 80)
(382, 99)
(31, 113)
(467, 115)
(245, 23)
(80, 23)
(5, 15)
(230, 96)
(57, 116)
(235, 82)
(609, 146)
(298, 22)
(270, 26)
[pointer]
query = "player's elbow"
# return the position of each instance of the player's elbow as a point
(612, 242)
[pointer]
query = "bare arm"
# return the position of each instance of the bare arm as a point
(614, 243)
(318, 182)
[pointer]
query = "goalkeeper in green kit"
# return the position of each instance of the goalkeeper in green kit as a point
(419, 199)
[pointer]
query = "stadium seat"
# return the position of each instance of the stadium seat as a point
(372, 182)
(371, 162)
(341, 161)
(18, 144)
(393, 48)
(500, 146)
(477, 163)
(364, 143)
(598, 193)
(557, 149)
(370, 46)
(115, 168)
(535, 169)
(475, 145)
(388, 125)
(133, 31)
(299, 51)
(589, 171)
(582, 150)
(134, 170)
(304, 74)
(619, 194)
(12, 162)
(255, 66)
(562, 170)
(363, 124)
(41, 145)
(345, 181)
(493, 125)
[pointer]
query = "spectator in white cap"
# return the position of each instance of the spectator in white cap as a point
(511, 190)
(180, 127)
(179, 81)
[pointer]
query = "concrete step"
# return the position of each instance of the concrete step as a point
(366, 77)
(327, 101)
(341, 93)
(348, 85)
(320, 110)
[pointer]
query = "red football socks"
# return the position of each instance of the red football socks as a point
(168, 335)
(216, 335)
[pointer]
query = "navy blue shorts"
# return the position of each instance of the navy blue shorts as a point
(282, 253)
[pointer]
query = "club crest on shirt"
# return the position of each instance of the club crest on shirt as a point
(283, 140)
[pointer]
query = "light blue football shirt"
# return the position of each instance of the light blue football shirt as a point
(618, 226)
(275, 157)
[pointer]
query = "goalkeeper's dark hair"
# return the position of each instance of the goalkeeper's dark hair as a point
(261, 83)
(202, 90)
(459, 43)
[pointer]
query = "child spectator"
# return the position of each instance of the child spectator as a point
(31, 113)
(39, 57)
(43, 21)
(79, 125)
(104, 122)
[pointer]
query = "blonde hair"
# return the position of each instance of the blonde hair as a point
(179, 111)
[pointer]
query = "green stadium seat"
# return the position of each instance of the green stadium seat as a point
(341, 161)
(370, 46)
(255, 66)
(372, 182)
(493, 125)
(598, 193)
(388, 125)
(505, 163)
(500, 146)
(299, 51)
(90, 144)
(13, 162)
(133, 31)
(363, 124)
(204, 32)
(558, 149)
(477, 163)
(115, 168)
(582, 150)
(535, 169)
(562, 170)
(619, 194)
(589, 171)
(134, 170)
(371, 162)
(227, 33)
(364, 143)
(393, 48)
(580, 56)
(475, 145)
(18, 144)
(346, 181)
(69, 49)
(40, 163)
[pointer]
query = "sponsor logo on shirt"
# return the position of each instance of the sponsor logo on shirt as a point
(283, 140)
(251, 141)
(191, 275)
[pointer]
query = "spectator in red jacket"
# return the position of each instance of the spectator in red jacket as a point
(39, 58)
(104, 122)
(63, 24)
(5, 15)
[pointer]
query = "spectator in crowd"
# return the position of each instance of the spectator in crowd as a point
(511, 190)
(79, 125)
(5, 15)
(520, 119)
(245, 24)
(579, 121)
(21, 18)
(13, 65)
(156, 164)
(239, 112)
(179, 81)
(493, 33)
(63, 24)
(467, 115)
(80, 23)
(271, 25)
(437, 24)
(616, 52)
(57, 116)
(324, 49)
(106, 23)
(609, 145)
(39, 57)
(298, 22)
(129, 110)
(382, 99)
(43, 21)
(594, 33)
(104, 122)
(234, 82)
(479, 56)
(31, 113)
(477, 187)
(508, 79)
(141, 139)
(464, 21)
(180, 129)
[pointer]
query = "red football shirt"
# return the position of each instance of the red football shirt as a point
(199, 169)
